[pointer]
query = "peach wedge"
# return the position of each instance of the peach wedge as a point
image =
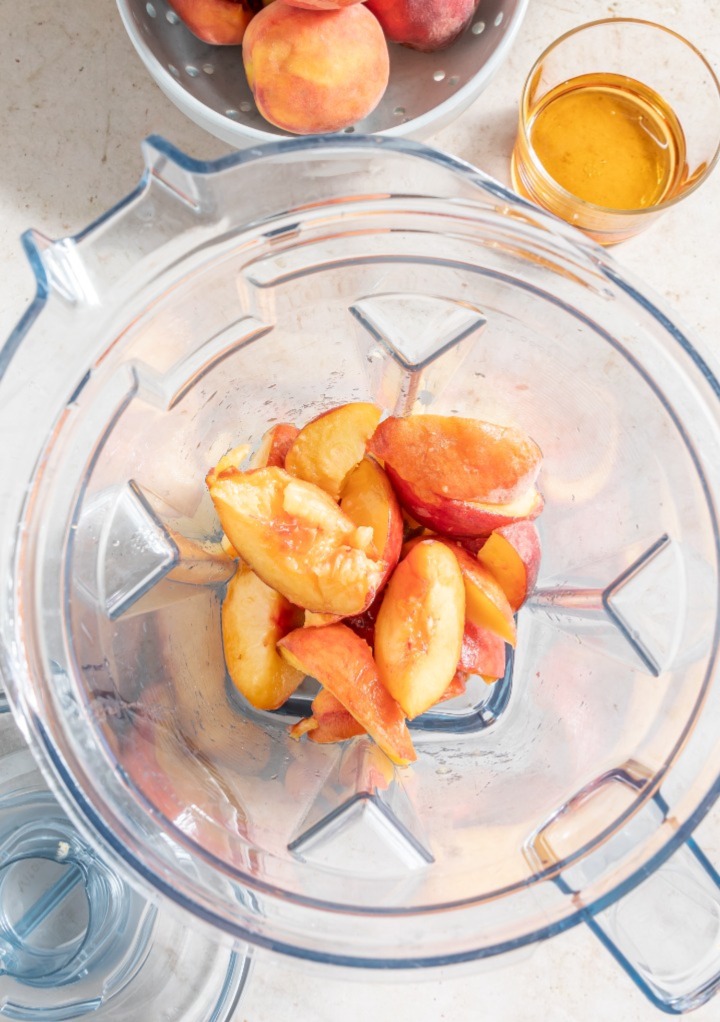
(330, 721)
(296, 538)
(512, 555)
(254, 617)
(419, 629)
(368, 500)
(342, 662)
(461, 477)
(327, 449)
(274, 446)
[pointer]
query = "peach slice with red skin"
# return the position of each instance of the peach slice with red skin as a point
(368, 500)
(296, 538)
(465, 518)
(343, 663)
(218, 22)
(486, 605)
(329, 447)
(254, 618)
(274, 446)
(461, 477)
(330, 721)
(419, 629)
(512, 555)
(456, 687)
(482, 652)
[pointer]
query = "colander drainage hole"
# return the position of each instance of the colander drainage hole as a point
(438, 75)
(498, 19)
(478, 28)
(151, 10)
(172, 17)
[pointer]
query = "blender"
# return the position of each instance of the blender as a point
(217, 299)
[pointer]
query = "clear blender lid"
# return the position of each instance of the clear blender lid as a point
(266, 287)
(75, 939)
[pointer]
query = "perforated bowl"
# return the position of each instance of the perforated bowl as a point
(426, 90)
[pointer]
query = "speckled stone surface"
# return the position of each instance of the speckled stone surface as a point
(75, 104)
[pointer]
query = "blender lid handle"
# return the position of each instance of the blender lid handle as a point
(666, 932)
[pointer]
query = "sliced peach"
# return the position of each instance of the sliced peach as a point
(274, 446)
(232, 459)
(343, 664)
(482, 652)
(512, 555)
(460, 459)
(331, 445)
(459, 476)
(419, 629)
(486, 605)
(464, 518)
(368, 500)
(254, 618)
(296, 538)
(364, 624)
(334, 722)
(313, 620)
(301, 727)
(456, 687)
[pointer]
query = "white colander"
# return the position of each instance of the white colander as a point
(426, 90)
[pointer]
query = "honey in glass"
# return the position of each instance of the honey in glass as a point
(610, 141)
(619, 121)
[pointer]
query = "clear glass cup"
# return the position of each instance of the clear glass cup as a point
(619, 121)
(268, 286)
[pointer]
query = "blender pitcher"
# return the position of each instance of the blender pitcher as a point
(220, 298)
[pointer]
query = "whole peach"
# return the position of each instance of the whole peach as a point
(423, 24)
(315, 71)
(219, 22)
(322, 5)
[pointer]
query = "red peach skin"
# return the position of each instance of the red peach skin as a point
(482, 652)
(274, 446)
(461, 477)
(321, 5)
(427, 25)
(331, 722)
(512, 555)
(219, 22)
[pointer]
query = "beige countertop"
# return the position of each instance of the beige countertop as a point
(76, 104)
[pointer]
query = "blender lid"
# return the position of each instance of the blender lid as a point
(75, 939)
(270, 285)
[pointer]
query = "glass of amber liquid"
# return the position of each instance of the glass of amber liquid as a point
(619, 120)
